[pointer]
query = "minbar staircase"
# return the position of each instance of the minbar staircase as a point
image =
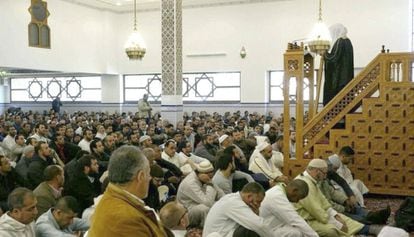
(382, 134)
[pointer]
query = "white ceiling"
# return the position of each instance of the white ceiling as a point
(150, 5)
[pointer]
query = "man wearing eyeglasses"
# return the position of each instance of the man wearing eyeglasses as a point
(317, 210)
(61, 220)
(174, 216)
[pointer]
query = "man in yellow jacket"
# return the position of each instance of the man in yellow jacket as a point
(121, 211)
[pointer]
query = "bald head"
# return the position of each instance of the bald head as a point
(296, 190)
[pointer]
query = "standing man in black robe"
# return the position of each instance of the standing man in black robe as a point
(339, 63)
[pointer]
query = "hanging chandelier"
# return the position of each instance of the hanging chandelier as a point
(135, 46)
(320, 37)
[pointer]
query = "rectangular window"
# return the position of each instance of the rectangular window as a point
(203, 87)
(47, 88)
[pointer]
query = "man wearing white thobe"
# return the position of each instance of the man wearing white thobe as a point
(261, 162)
(238, 211)
(281, 215)
(339, 163)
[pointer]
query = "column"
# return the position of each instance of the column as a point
(4, 94)
(171, 28)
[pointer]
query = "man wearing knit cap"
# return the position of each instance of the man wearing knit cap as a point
(145, 141)
(316, 209)
(241, 161)
(198, 193)
(261, 162)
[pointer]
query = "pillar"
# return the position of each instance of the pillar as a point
(171, 28)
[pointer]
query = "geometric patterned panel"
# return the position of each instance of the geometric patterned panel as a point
(383, 139)
(171, 59)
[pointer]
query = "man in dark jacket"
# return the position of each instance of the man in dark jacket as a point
(84, 185)
(40, 161)
(9, 180)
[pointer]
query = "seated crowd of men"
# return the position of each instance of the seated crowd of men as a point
(101, 175)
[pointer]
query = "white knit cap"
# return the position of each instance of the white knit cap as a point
(261, 139)
(318, 163)
(144, 138)
(223, 137)
(335, 161)
(205, 167)
(262, 146)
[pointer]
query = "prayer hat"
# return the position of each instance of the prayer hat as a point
(262, 146)
(223, 137)
(318, 163)
(261, 139)
(143, 138)
(27, 149)
(335, 161)
(205, 167)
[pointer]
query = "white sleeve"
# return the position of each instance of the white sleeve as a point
(245, 217)
(284, 210)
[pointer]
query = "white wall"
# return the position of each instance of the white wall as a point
(88, 40)
(81, 38)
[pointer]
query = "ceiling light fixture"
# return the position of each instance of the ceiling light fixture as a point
(135, 46)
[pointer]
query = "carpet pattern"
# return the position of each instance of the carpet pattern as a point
(376, 202)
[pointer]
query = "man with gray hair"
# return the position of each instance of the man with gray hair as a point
(316, 209)
(121, 211)
(19, 221)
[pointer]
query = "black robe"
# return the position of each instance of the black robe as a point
(339, 68)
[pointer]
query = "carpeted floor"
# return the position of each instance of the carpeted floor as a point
(375, 202)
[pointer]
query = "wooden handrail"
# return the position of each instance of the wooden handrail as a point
(384, 67)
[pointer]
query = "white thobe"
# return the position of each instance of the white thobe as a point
(177, 160)
(357, 186)
(229, 213)
(85, 145)
(8, 143)
(280, 214)
(260, 165)
(196, 159)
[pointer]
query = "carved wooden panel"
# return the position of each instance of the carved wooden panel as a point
(383, 139)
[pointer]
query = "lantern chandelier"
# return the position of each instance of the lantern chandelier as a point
(320, 37)
(135, 46)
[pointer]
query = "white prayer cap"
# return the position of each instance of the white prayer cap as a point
(28, 149)
(335, 161)
(262, 146)
(261, 139)
(143, 138)
(222, 138)
(186, 169)
(318, 163)
(205, 167)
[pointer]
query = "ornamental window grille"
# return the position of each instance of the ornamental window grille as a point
(40, 89)
(197, 87)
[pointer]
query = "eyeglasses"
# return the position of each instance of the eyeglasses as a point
(323, 171)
